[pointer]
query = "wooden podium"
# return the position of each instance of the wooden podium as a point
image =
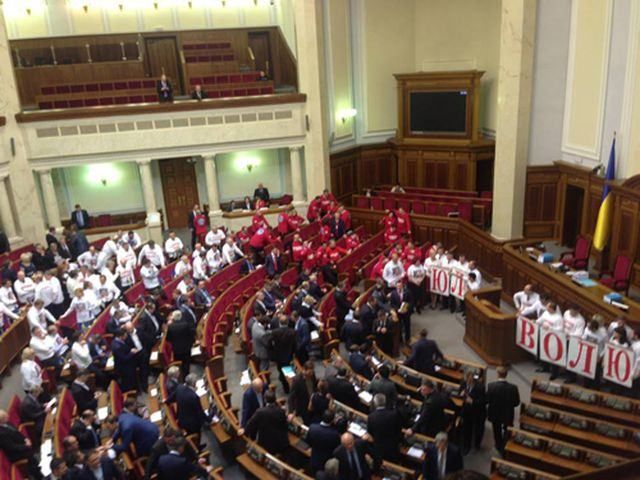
(455, 160)
(489, 331)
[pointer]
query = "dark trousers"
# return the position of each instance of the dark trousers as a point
(143, 359)
(128, 379)
(500, 435)
(405, 320)
(473, 429)
(283, 379)
(418, 293)
(185, 363)
(194, 238)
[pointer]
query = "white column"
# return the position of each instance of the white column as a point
(50, 199)
(211, 180)
(154, 225)
(296, 174)
(6, 215)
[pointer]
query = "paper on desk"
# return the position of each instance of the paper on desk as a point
(376, 362)
(415, 452)
(109, 362)
(314, 335)
(200, 383)
(437, 368)
(365, 396)
(356, 429)
(45, 457)
(195, 351)
(153, 392)
(154, 356)
(156, 417)
(103, 412)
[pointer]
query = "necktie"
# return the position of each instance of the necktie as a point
(355, 463)
(441, 466)
(96, 440)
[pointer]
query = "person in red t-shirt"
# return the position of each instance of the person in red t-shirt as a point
(391, 236)
(243, 237)
(259, 203)
(284, 226)
(345, 216)
(295, 220)
(410, 254)
(310, 258)
(403, 222)
(334, 252)
(200, 226)
(313, 210)
(326, 200)
(325, 233)
(352, 240)
(389, 220)
(297, 248)
(260, 239)
(378, 267)
(321, 256)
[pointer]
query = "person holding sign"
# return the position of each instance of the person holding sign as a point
(596, 334)
(551, 319)
(429, 264)
(393, 271)
(525, 298)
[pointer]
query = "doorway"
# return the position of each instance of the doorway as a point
(261, 47)
(162, 57)
(572, 224)
(180, 190)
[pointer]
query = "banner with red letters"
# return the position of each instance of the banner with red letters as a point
(617, 364)
(527, 335)
(582, 357)
(458, 285)
(553, 347)
(440, 283)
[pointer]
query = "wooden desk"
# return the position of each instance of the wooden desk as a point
(13, 341)
(489, 331)
(237, 219)
(519, 269)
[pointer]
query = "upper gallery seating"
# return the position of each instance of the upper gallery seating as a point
(208, 52)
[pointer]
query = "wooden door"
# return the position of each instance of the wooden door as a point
(162, 57)
(259, 44)
(571, 227)
(180, 190)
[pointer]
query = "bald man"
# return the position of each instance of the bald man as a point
(352, 455)
(252, 400)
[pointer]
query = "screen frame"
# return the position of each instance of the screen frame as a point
(467, 106)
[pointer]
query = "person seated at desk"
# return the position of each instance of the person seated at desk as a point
(262, 76)
(247, 204)
(442, 459)
(525, 298)
(176, 465)
(397, 189)
(164, 89)
(198, 93)
(262, 193)
(16, 446)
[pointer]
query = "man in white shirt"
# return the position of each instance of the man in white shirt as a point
(153, 252)
(49, 290)
(125, 271)
(619, 322)
(173, 246)
(109, 250)
(133, 239)
(8, 297)
(551, 319)
(526, 298)
(473, 268)
(44, 348)
(105, 291)
(393, 271)
(214, 237)
(215, 261)
(89, 258)
(25, 288)
(182, 266)
(149, 274)
(126, 252)
(38, 316)
(231, 252)
(537, 309)
(186, 284)
(573, 322)
(200, 267)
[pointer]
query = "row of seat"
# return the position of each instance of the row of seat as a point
(206, 46)
(225, 78)
(106, 86)
(228, 57)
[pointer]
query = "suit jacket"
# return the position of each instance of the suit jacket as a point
(87, 439)
(298, 400)
(367, 316)
(423, 354)
(269, 425)
(283, 344)
(173, 467)
(347, 471)
(323, 440)
(109, 471)
(359, 364)
(432, 417)
(31, 410)
(188, 314)
(84, 398)
(51, 238)
(343, 391)
(250, 405)
(502, 398)
(131, 428)
(202, 96)
(147, 331)
(164, 96)
(386, 387)
(12, 443)
(478, 404)
(171, 387)
(200, 297)
(398, 298)
(343, 305)
(385, 426)
(181, 335)
(337, 228)
(261, 340)
(85, 218)
(272, 266)
(261, 193)
(352, 333)
(191, 416)
(430, 466)
(122, 355)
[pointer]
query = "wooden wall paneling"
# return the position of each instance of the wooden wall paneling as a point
(541, 219)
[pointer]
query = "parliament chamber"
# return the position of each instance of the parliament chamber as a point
(319, 239)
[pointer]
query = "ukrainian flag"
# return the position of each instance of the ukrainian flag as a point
(603, 225)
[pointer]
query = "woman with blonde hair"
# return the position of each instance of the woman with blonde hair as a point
(30, 370)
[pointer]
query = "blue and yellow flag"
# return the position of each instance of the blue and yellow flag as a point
(603, 225)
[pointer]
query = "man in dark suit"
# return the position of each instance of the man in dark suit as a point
(175, 464)
(201, 297)
(185, 305)
(424, 353)
(343, 305)
(78, 243)
(85, 429)
(123, 359)
(502, 398)
(382, 384)
(149, 327)
(385, 426)
(59, 470)
(181, 333)
(273, 263)
(132, 428)
(402, 302)
(367, 315)
(164, 89)
(83, 395)
(352, 332)
(283, 346)
(432, 416)
(191, 416)
(352, 455)
(302, 387)
(358, 361)
(261, 192)
(198, 93)
(31, 410)
(269, 426)
(473, 413)
(343, 391)
(162, 447)
(80, 217)
(442, 459)
(16, 446)
(195, 211)
(51, 236)
(252, 400)
(99, 467)
(323, 438)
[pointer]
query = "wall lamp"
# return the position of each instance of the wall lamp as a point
(346, 114)
(249, 163)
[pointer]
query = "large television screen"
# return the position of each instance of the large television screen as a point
(438, 112)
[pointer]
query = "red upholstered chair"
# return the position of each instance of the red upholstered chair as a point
(191, 59)
(134, 84)
(578, 258)
(91, 87)
(76, 103)
(222, 79)
(210, 80)
(249, 77)
(91, 102)
(77, 88)
(362, 202)
(148, 84)
(216, 58)
(253, 91)
(227, 58)
(106, 101)
(448, 208)
(61, 104)
(405, 204)
(48, 90)
(389, 203)
(466, 210)
(214, 94)
(618, 279)
(226, 93)
(235, 78)
(418, 206)
(62, 89)
(266, 90)
(151, 98)
(107, 86)
(120, 85)
(122, 100)
(376, 203)
(239, 92)
(432, 208)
